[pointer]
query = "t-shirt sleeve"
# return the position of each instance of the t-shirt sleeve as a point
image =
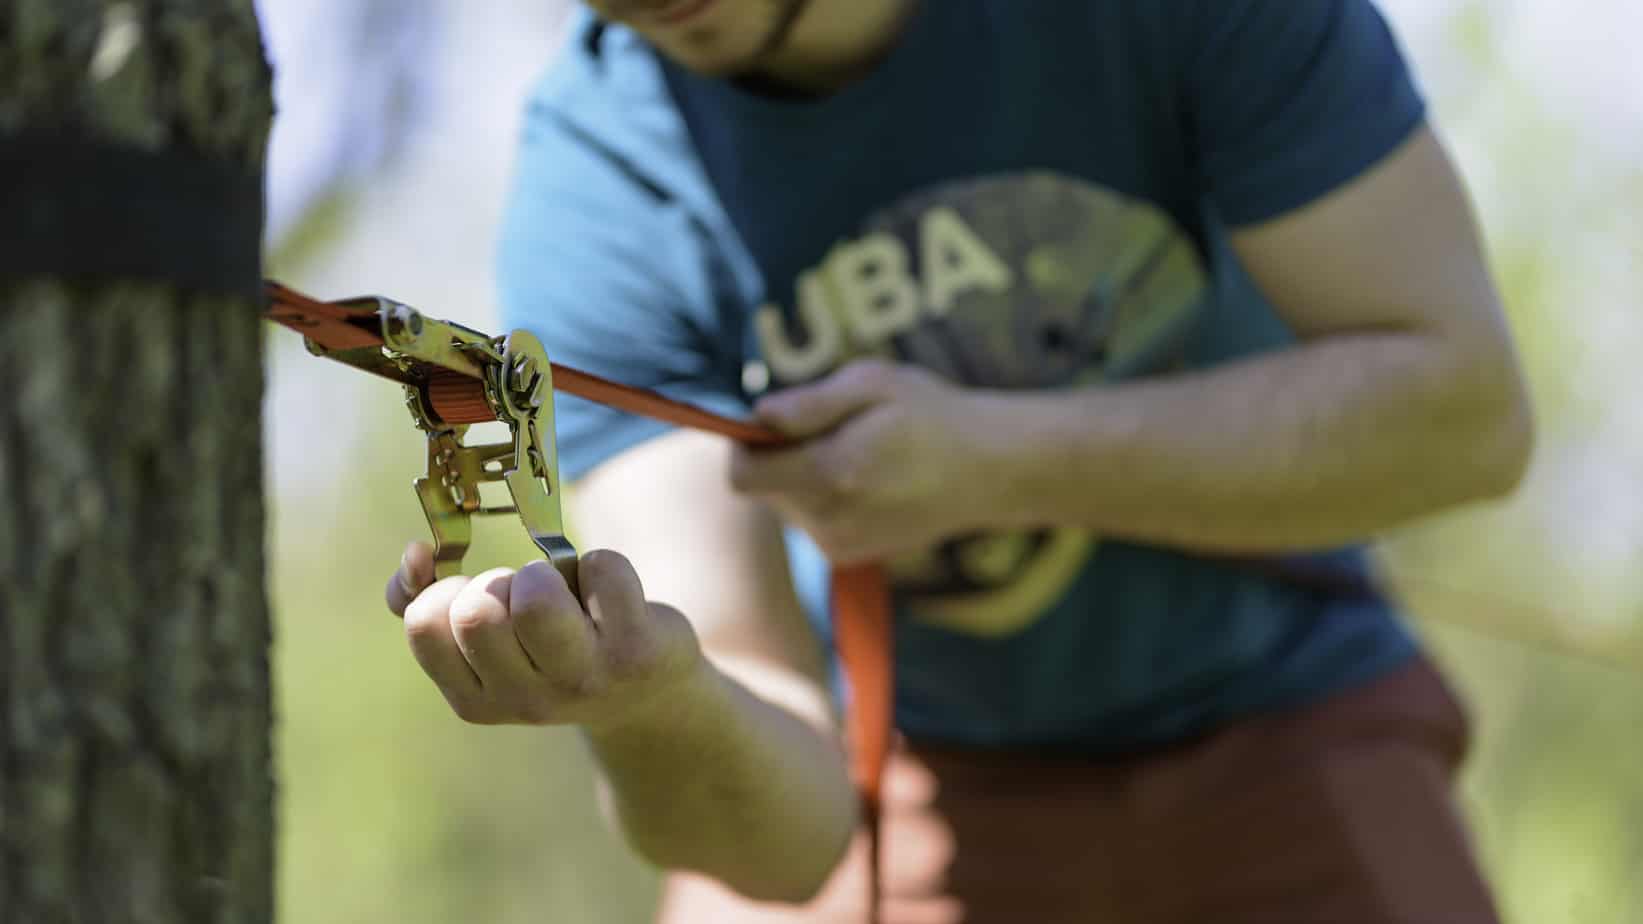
(1289, 99)
(616, 280)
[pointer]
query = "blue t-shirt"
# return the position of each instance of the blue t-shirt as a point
(1022, 195)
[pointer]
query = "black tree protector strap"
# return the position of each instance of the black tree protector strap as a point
(80, 207)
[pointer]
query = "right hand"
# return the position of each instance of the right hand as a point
(518, 648)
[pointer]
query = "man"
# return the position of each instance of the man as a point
(1056, 295)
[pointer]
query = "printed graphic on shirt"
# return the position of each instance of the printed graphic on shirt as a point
(1020, 281)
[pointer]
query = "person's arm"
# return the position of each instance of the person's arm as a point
(746, 781)
(1403, 399)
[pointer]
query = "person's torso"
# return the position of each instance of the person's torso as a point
(1009, 199)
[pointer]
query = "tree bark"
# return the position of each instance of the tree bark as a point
(135, 763)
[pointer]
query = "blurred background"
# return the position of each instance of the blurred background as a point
(391, 156)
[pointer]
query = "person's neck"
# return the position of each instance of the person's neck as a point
(833, 44)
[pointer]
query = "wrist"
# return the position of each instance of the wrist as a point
(697, 693)
(1013, 443)
(1040, 455)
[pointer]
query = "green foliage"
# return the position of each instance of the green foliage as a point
(1552, 786)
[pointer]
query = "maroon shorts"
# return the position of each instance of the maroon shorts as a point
(1340, 813)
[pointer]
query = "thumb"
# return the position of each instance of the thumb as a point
(415, 574)
(810, 410)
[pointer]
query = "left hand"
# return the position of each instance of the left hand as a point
(893, 460)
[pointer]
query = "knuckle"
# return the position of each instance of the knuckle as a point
(538, 588)
(841, 472)
(602, 566)
(873, 374)
(574, 687)
(420, 633)
(422, 621)
(476, 614)
(472, 711)
(673, 629)
(432, 604)
(631, 660)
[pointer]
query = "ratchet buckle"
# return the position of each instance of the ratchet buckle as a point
(453, 377)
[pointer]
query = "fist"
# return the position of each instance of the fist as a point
(891, 460)
(518, 648)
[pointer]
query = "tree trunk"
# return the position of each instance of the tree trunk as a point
(135, 770)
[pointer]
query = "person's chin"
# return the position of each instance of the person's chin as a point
(710, 59)
(714, 47)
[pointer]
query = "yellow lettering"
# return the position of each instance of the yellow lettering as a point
(879, 296)
(955, 261)
(823, 340)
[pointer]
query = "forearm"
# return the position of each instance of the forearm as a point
(726, 783)
(1318, 446)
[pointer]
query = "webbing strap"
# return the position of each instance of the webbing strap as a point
(860, 594)
(865, 641)
(86, 208)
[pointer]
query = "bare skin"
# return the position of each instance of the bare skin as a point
(715, 734)
(816, 44)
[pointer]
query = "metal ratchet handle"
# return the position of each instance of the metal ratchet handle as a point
(439, 363)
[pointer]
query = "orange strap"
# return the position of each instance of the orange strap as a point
(864, 640)
(860, 594)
